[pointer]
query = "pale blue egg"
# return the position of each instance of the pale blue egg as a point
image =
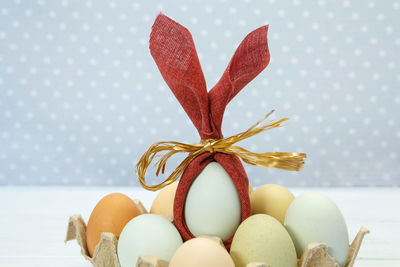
(148, 234)
(212, 204)
(313, 217)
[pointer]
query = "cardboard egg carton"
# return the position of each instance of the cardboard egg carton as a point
(105, 253)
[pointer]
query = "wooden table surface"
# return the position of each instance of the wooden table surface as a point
(33, 222)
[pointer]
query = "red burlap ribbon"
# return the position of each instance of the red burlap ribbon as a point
(173, 50)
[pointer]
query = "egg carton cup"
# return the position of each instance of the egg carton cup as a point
(105, 253)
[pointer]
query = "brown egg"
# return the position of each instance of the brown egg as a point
(111, 215)
(163, 204)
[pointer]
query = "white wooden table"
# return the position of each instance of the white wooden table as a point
(33, 222)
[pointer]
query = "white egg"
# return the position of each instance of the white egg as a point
(148, 234)
(212, 204)
(313, 217)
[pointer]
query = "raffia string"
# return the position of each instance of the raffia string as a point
(282, 160)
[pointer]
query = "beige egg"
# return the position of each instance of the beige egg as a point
(163, 204)
(250, 188)
(201, 252)
(271, 199)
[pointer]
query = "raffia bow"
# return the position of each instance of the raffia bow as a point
(282, 160)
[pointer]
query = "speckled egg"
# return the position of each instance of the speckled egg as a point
(262, 238)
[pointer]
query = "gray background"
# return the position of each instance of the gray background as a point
(81, 98)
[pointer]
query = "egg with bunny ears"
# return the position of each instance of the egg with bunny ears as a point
(212, 205)
(222, 178)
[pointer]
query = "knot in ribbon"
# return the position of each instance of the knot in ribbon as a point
(282, 160)
(208, 144)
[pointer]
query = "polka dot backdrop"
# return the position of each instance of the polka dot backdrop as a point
(81, 98)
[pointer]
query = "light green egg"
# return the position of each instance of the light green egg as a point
(262, 238)
(148, 234)
(212, 204)
(313, 217)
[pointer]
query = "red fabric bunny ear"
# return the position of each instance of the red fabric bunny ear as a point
(173, 50)
(250, 58)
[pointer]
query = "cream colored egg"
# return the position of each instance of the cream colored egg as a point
(201, 252)
(163, 204)
(271, 199)
(261, 238)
